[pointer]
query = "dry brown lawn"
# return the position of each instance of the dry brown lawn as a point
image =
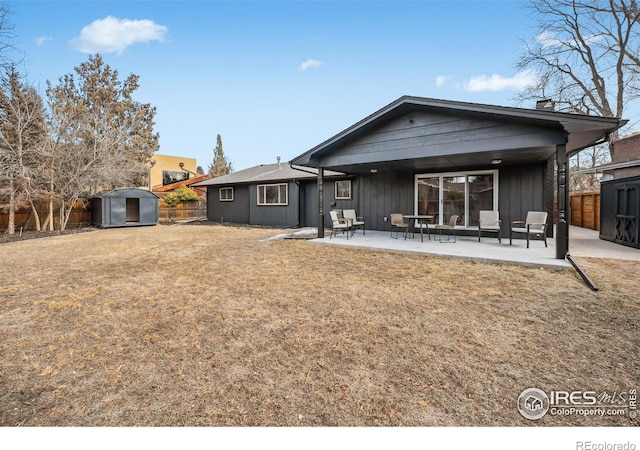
(211, 326)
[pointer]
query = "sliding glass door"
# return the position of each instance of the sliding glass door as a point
(453, 198)
(462, 193)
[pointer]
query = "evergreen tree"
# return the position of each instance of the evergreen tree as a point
(221, 165)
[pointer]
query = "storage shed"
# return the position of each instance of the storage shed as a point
(620, 211)
(127, 207)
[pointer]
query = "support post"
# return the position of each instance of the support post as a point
(320, 202)
(562, 227)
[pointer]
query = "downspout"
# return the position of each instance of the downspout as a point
(567, 256)
(581, 272)
(297, 183)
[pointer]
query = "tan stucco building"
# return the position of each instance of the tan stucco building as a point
(165, 169)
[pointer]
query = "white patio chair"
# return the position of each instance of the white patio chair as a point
(490, 222)
(356, 221)
(534, 225)
(339, 224)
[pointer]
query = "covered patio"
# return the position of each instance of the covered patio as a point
(443, 158)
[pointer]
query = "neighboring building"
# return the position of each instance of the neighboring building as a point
(626, 157)
(429, 156)
(626, 160)
(165, 169)
(277, 195)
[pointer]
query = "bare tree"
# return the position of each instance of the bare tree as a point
(586, 54)
(101, 137)
(6, 37)
(22, 137)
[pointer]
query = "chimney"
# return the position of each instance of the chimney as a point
(279, 166)
(546, 105)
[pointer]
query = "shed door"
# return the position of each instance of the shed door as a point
(133, 210)
(627, 212)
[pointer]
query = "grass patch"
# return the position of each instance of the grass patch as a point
(213, 326)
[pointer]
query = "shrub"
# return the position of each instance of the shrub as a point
(182, 194)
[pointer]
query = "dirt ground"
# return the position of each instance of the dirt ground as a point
(212, 325)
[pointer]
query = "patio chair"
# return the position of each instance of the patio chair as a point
(356, 221)
(534, 225)
(339, 224)
(397, 222)
(490, 222)
(451, 226)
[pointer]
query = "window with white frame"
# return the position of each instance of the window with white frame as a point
(343, 190)
(226, 194)
(272, 194)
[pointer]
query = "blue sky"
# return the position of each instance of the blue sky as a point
(277, 78)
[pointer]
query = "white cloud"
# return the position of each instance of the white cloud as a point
(309, 64)
(547, 39)
(41, 40)
(441, 80)
(493, 83)
(113, 35)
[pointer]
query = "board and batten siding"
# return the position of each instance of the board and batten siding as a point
(376, 196)
(417, 134)
(521, 189)
(283, 216)
(236, 211)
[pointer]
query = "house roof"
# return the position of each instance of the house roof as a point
(579, 131)
(265, 173)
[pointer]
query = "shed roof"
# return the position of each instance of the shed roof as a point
(266, 173)
(126, 192)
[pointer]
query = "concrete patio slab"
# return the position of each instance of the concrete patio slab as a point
(585, 243)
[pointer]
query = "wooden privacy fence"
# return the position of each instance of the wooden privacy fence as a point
(585, 209)
(80, 216)
(182, 211)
